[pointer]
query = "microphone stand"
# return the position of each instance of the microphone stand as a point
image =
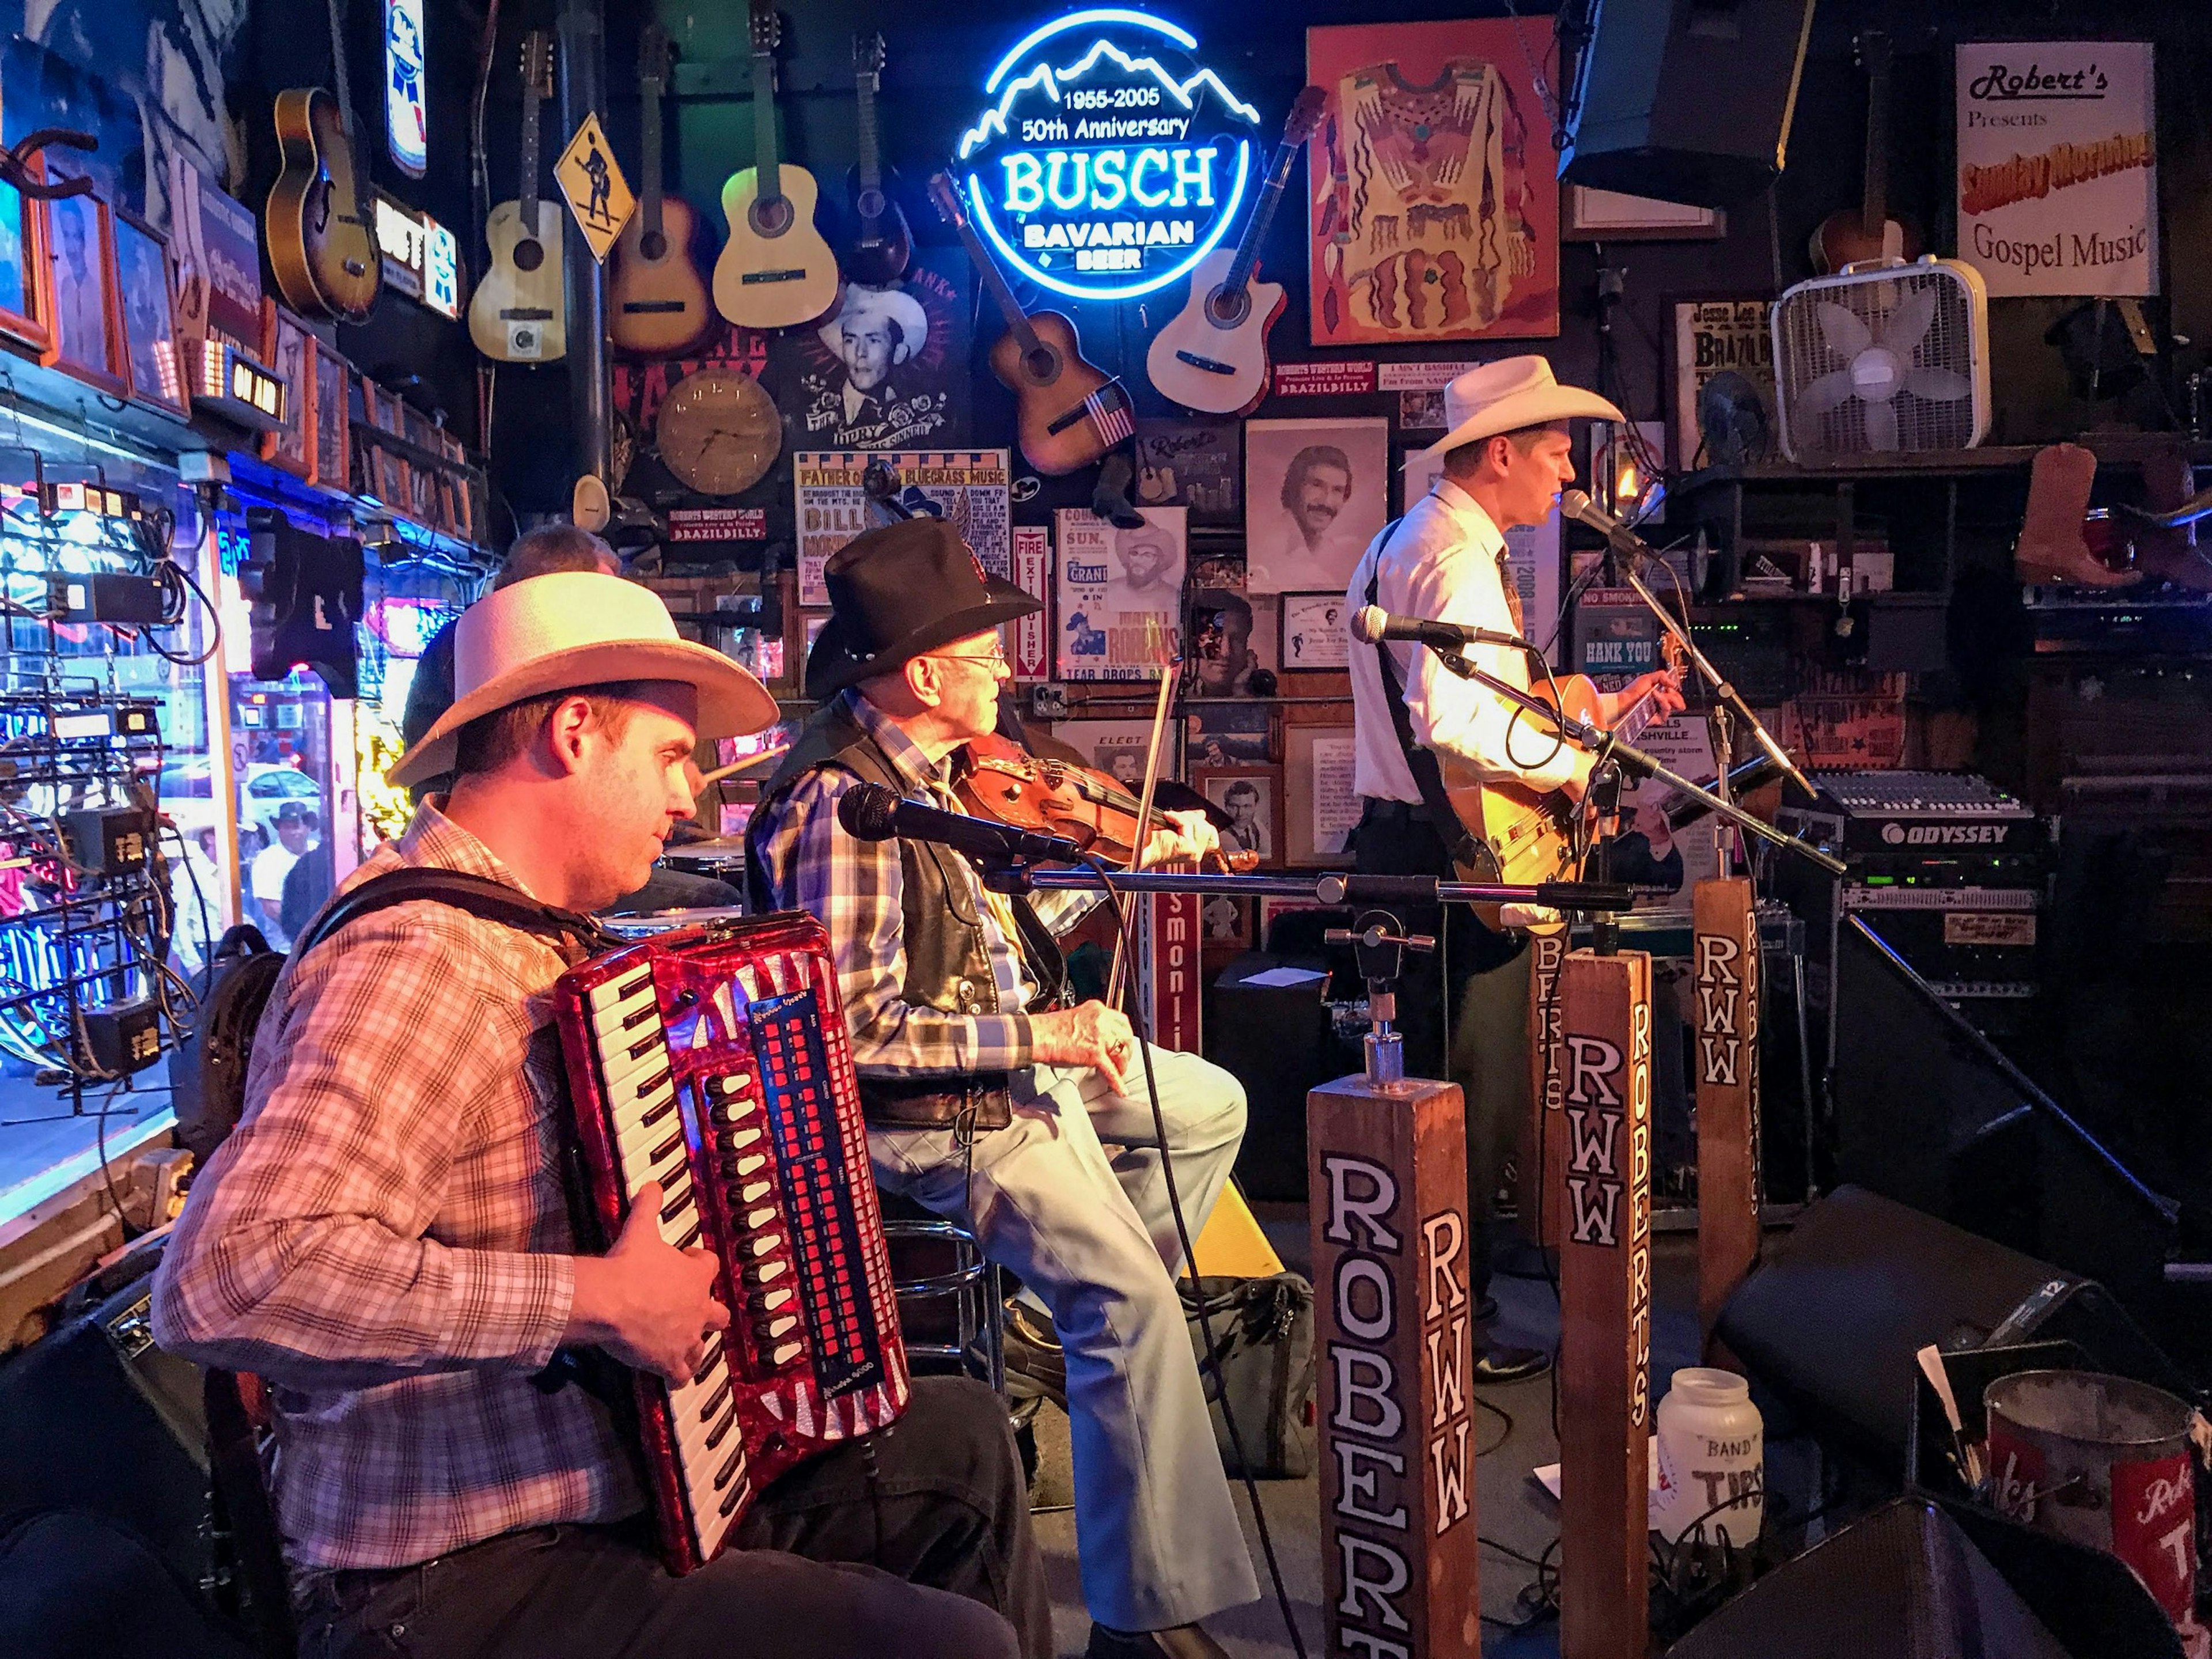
(1606, 747)
(1329, 890)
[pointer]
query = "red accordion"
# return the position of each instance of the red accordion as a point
(715, 1060)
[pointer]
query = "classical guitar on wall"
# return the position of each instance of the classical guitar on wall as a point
(775, 271)
(1212, 354)
(1868, 231)
(658, 304)
(880, 241)
(1068, 412)
(322, 236)
(520, 311)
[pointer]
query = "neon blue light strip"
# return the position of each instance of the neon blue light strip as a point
(1102, 16)
(1044, 75)
(979, 210)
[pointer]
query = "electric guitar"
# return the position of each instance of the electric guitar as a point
(658, 303)
(1067, 412)
(882, 241)
(322, 237)
(1529, 835)
(1867, 232)
(1212, 354)
(775, 271)
(520, 311)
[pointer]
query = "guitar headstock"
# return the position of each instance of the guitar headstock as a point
(946, 195)
(655, 59)
(765, 29)
(538, 64)
(868, 58)
(1305, 115)
(1670, 649)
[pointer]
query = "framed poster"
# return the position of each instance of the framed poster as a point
(1317, 771)
(287, 348)
(2058, 167)
(1225, 922)
(26, 299)
(967, 488)
(888, 369)
(1438, 215)
(1117, 748)
(150, 317)
(1193, 464)
(1119, 595)
(332, 429)
(1252, 801)
(1229, 643)
(1225, 734)
(1713, 336)
(86, 336)
(1315, 634)
(1316, 493)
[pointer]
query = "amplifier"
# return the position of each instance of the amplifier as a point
(1967, 942)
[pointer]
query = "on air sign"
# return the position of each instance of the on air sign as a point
(1108, 161)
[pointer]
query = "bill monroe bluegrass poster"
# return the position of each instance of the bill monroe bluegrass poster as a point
(965, 487)
(1120, 593)
(1433, 211)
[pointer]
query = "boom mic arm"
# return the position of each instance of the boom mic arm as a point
(1371, 625)
(869, 811)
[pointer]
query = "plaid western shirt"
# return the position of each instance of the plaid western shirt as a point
(857, 889)
(385, 1237)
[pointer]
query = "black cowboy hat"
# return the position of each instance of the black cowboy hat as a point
(900, 591)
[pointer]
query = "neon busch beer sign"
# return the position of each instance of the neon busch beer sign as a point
(1106, 161)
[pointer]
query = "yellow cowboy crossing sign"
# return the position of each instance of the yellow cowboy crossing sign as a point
(596, 192)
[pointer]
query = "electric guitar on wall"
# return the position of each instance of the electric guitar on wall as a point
(1529, 834)
(1068, 412)
(1212, 354)
(520, 311)
(322, 237)
(775, 271)
(882, 241)
(1867, 232)
(658, 306)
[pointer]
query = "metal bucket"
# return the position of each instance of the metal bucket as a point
(2104, 1462)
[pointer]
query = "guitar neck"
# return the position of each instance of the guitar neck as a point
(872, 169)
(1263, 213)
(1874, 208)
(767, 169)
(1017, 322)
(344, 88)
(528, 192)
(649, 198)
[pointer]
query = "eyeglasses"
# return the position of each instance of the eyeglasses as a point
(994, 659)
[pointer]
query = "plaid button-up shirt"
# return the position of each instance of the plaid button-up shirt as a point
(857, 889)
(385, 1236)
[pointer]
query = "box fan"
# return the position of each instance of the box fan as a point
(1887, 358)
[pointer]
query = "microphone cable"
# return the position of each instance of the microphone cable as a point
(1139, 1026)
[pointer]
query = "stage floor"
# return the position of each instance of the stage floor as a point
(44, 1148)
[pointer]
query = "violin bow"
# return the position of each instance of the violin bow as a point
(1171, 665)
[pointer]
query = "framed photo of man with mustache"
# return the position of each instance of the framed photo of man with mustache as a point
(1316, 493)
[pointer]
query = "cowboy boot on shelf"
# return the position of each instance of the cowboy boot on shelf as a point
(2051, 547)
(2169, 554)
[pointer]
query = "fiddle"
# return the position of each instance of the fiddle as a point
(1006, 783)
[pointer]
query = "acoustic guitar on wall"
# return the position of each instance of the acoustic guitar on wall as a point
(1068, 412)
(1212, 354)
(1868, 231)
(659, 305)
(322, 237)
(775, 271)
(881, 241)
(520, 311)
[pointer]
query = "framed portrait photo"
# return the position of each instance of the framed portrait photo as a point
(1225, 922)
(1252, 801)
(86, 332)
(1218, 735)
(1316, 492)
(287, 348)
(26, 299)
(1314, 635)
(150, 348)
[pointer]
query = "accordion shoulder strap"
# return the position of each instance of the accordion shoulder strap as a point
(479, 896)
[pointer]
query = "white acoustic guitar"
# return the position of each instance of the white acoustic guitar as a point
(1212, 354)
(775, 271)
(520, 313)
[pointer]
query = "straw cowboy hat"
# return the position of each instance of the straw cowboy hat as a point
(900, 591)
(570, 629)
(1508, 395)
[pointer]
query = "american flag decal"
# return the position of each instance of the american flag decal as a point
(1110, 414)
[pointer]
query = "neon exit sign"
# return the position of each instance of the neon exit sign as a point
(1106, 161)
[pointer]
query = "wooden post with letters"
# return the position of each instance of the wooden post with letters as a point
(1543, 1140)
(1605, 1293)
(1387, 1167)
(1725, 955)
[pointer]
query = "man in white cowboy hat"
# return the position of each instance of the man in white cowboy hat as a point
(876, 331)
(386, 1238)
(1506, 455)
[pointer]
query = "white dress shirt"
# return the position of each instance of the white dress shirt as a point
(1442, 564)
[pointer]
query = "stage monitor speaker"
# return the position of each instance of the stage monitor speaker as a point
(1913, 1579)
(1274, 1040)
(1687, 100)
(1831, 1325)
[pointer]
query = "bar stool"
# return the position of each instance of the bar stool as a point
(934, 1263)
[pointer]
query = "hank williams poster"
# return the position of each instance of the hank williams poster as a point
(1433, 209)
(886, 369)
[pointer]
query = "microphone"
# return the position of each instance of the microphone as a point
(871, 812)
(1577, 506)
(1371, 624)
